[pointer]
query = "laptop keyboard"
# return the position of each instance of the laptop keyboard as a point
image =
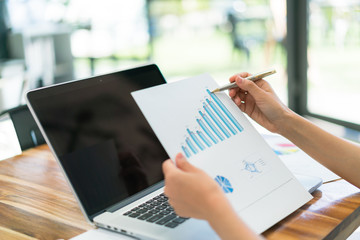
(157, 210)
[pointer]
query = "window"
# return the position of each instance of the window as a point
(326, 68)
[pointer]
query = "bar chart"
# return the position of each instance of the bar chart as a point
(214, 124)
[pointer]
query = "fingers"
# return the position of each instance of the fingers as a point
(183, 164)
(242, 74)
(238, 96)
(170, 173)
(250, 87)
(233, 92)
(168, 166)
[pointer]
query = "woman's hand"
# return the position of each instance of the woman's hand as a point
(259, 101)
(191, 192)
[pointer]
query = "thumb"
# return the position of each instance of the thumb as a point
(168, 166)
(250, 87)
(183, 164)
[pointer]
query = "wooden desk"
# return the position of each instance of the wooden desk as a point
(36, 203)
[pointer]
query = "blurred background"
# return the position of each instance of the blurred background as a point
(314, 45)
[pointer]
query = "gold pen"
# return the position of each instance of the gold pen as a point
(251, 78)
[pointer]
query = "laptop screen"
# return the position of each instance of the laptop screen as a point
(103, 142)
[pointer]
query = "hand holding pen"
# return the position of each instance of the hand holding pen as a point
(253, 78)
(259, 101)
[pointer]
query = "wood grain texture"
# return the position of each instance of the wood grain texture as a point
(36, 203)
(35, 200)
(326, 215)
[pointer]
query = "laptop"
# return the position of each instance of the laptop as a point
(110, 155)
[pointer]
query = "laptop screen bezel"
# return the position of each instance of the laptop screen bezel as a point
(32, 95)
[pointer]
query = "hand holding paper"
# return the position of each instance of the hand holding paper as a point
(215, 136)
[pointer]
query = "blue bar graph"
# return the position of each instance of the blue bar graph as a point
(202, 136)
(191, 146)
(221, 116)
(225, 110)
(195, 139)
(207, 131)
(186, 151)
(215, 121)
(212, 126)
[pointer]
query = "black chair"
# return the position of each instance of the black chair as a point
(27, 131)
(246, 32)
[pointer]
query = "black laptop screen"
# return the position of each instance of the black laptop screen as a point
(104, 144)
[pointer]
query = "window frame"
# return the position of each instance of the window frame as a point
(297, 64)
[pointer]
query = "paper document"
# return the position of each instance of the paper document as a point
(215, 135)
(297, 160)
(9, 143)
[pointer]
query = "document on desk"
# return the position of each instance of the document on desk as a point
(9, 143)
(297, 160)
(214, 135)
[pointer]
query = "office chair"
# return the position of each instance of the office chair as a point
(27, 131)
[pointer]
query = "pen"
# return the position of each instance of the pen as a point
(251, 78)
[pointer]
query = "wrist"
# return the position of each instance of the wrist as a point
(289, 124)
(220, 207)
(228, 225)
(224, 220)
(286, 122)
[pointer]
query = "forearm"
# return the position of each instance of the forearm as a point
(340, 156)
(234, 228)
(228, 225)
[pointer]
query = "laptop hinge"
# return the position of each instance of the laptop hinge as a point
(135, 197)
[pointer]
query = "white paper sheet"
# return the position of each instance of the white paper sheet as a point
(9, 143)
(297, 160)
(259, 186)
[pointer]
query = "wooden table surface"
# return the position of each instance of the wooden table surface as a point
(36, 203)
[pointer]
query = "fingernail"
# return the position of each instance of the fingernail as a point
(180, 155)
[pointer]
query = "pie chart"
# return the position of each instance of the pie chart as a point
(224, 184)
